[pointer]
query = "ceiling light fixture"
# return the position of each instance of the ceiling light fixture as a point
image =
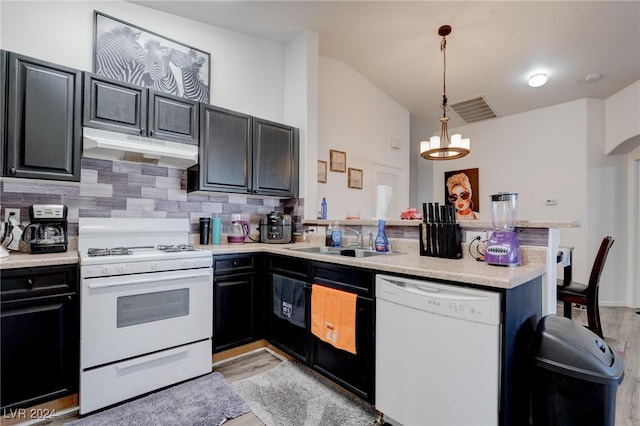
(538, 80)
(443, 148)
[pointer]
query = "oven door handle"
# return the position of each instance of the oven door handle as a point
(155, 279)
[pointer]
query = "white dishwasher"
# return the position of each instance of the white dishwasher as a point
(437, 353)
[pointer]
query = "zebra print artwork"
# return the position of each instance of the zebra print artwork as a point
(134, 55)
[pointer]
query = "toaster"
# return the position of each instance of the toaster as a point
(276, 228)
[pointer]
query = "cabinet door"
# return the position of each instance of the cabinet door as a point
(233, 311)
(225, 150)
(114, 105)
(43, 120)
(352, 371)
(275, 159)
(173, 118)
(40, 347)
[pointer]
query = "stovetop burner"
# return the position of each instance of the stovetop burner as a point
(117, 251)
(176, 248)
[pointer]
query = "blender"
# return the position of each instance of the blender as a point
(503, 247)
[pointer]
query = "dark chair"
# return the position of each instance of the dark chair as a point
(587, 294)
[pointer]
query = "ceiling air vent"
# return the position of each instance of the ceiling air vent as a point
(472, 110)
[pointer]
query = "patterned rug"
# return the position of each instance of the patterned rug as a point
(207, 400)
(290, 395)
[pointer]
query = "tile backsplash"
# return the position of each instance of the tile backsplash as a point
(125, 189)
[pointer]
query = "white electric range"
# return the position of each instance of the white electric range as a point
(146, 308)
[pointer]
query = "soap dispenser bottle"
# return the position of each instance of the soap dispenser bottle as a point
(382, 243)
(336, 236)
(327, 237)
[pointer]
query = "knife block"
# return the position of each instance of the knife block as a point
(440, 240)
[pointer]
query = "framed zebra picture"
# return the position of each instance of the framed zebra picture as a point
(134, 55)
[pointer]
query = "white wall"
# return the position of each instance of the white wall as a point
(623, 120)
(247, 74)
(356, 117)
(555, 152)
(421, 188)
(301, 108)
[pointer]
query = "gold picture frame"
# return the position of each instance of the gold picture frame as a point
(322, 171)
(337, 161)
(354, 178)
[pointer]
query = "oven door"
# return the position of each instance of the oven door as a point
(131, 315)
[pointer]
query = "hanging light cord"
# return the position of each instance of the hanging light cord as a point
(443, 49)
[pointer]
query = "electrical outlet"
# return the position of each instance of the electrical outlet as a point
(8, 212)
(472, 235)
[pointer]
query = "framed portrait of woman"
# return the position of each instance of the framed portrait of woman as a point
(462, 190)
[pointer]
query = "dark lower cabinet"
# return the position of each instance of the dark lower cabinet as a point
(283, 334)
(238, 314)
(40, 335)
(44, 115)
(354, 372)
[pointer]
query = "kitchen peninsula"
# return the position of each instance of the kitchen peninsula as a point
(519, 289)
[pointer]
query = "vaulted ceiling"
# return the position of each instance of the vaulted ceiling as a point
(493, 49)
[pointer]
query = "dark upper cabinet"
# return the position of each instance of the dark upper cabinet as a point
(244, 154)
(134, 110)
(224, 162)
(173, 118)
(113, 105)
(275, 159)
(40, 335)
(44, 134)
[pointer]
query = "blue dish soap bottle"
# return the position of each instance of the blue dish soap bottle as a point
(382, 243)
(336, 236)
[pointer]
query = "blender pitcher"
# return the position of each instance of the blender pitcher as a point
(503, 247)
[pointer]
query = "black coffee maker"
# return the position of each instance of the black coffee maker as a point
(47, 232)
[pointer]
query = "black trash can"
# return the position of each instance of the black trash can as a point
(575, 375)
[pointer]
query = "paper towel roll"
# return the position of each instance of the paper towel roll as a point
(384, 193)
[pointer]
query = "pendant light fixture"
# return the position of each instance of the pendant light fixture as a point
(443, 147)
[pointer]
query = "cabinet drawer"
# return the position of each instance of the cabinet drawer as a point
(288, 266)
(233, 264)
(38, 282)
(352, 280)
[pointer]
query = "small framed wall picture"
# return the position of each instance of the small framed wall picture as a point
(355, 178)
(322, 171)
(337, 161)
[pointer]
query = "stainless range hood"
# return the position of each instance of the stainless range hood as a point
(108, 145)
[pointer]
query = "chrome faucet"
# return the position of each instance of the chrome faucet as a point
(360, 239)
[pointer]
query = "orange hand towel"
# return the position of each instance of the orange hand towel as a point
(333, 317)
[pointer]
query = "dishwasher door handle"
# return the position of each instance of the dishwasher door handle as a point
(438, 294)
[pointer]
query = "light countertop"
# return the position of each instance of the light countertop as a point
(463, 223)
(406, 261)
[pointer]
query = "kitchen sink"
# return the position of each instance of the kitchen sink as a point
(342, 251)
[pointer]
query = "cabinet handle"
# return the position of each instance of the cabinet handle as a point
(12, 171)
(235, 263)
(29, 284)
(142, 131)
(150, 132)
